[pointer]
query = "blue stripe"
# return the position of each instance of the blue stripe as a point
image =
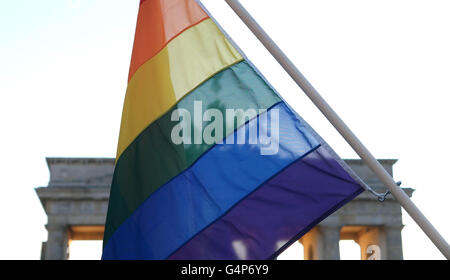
(216, 182)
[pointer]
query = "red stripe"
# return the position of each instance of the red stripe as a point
(159, 22)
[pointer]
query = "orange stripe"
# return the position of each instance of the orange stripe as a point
(160, 21)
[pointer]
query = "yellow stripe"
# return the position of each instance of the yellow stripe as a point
(186, 62)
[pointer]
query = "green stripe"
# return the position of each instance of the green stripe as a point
(153, 159)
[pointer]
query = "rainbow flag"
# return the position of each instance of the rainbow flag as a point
(211, 162)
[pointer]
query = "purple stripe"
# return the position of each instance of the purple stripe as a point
(277, 213)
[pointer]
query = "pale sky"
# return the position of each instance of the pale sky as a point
(383, 65)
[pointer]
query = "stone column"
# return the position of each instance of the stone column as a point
(330, 236)
(394, 242)
(56, 247)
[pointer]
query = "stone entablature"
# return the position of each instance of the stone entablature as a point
(82, 172)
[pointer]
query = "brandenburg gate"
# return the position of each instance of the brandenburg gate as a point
(76, 202)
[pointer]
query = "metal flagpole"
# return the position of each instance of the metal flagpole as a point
(342, 128)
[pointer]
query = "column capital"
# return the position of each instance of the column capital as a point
(393, 227)
(330, 227)
(56, 227)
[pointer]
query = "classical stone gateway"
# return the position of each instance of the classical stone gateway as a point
(76, 202)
